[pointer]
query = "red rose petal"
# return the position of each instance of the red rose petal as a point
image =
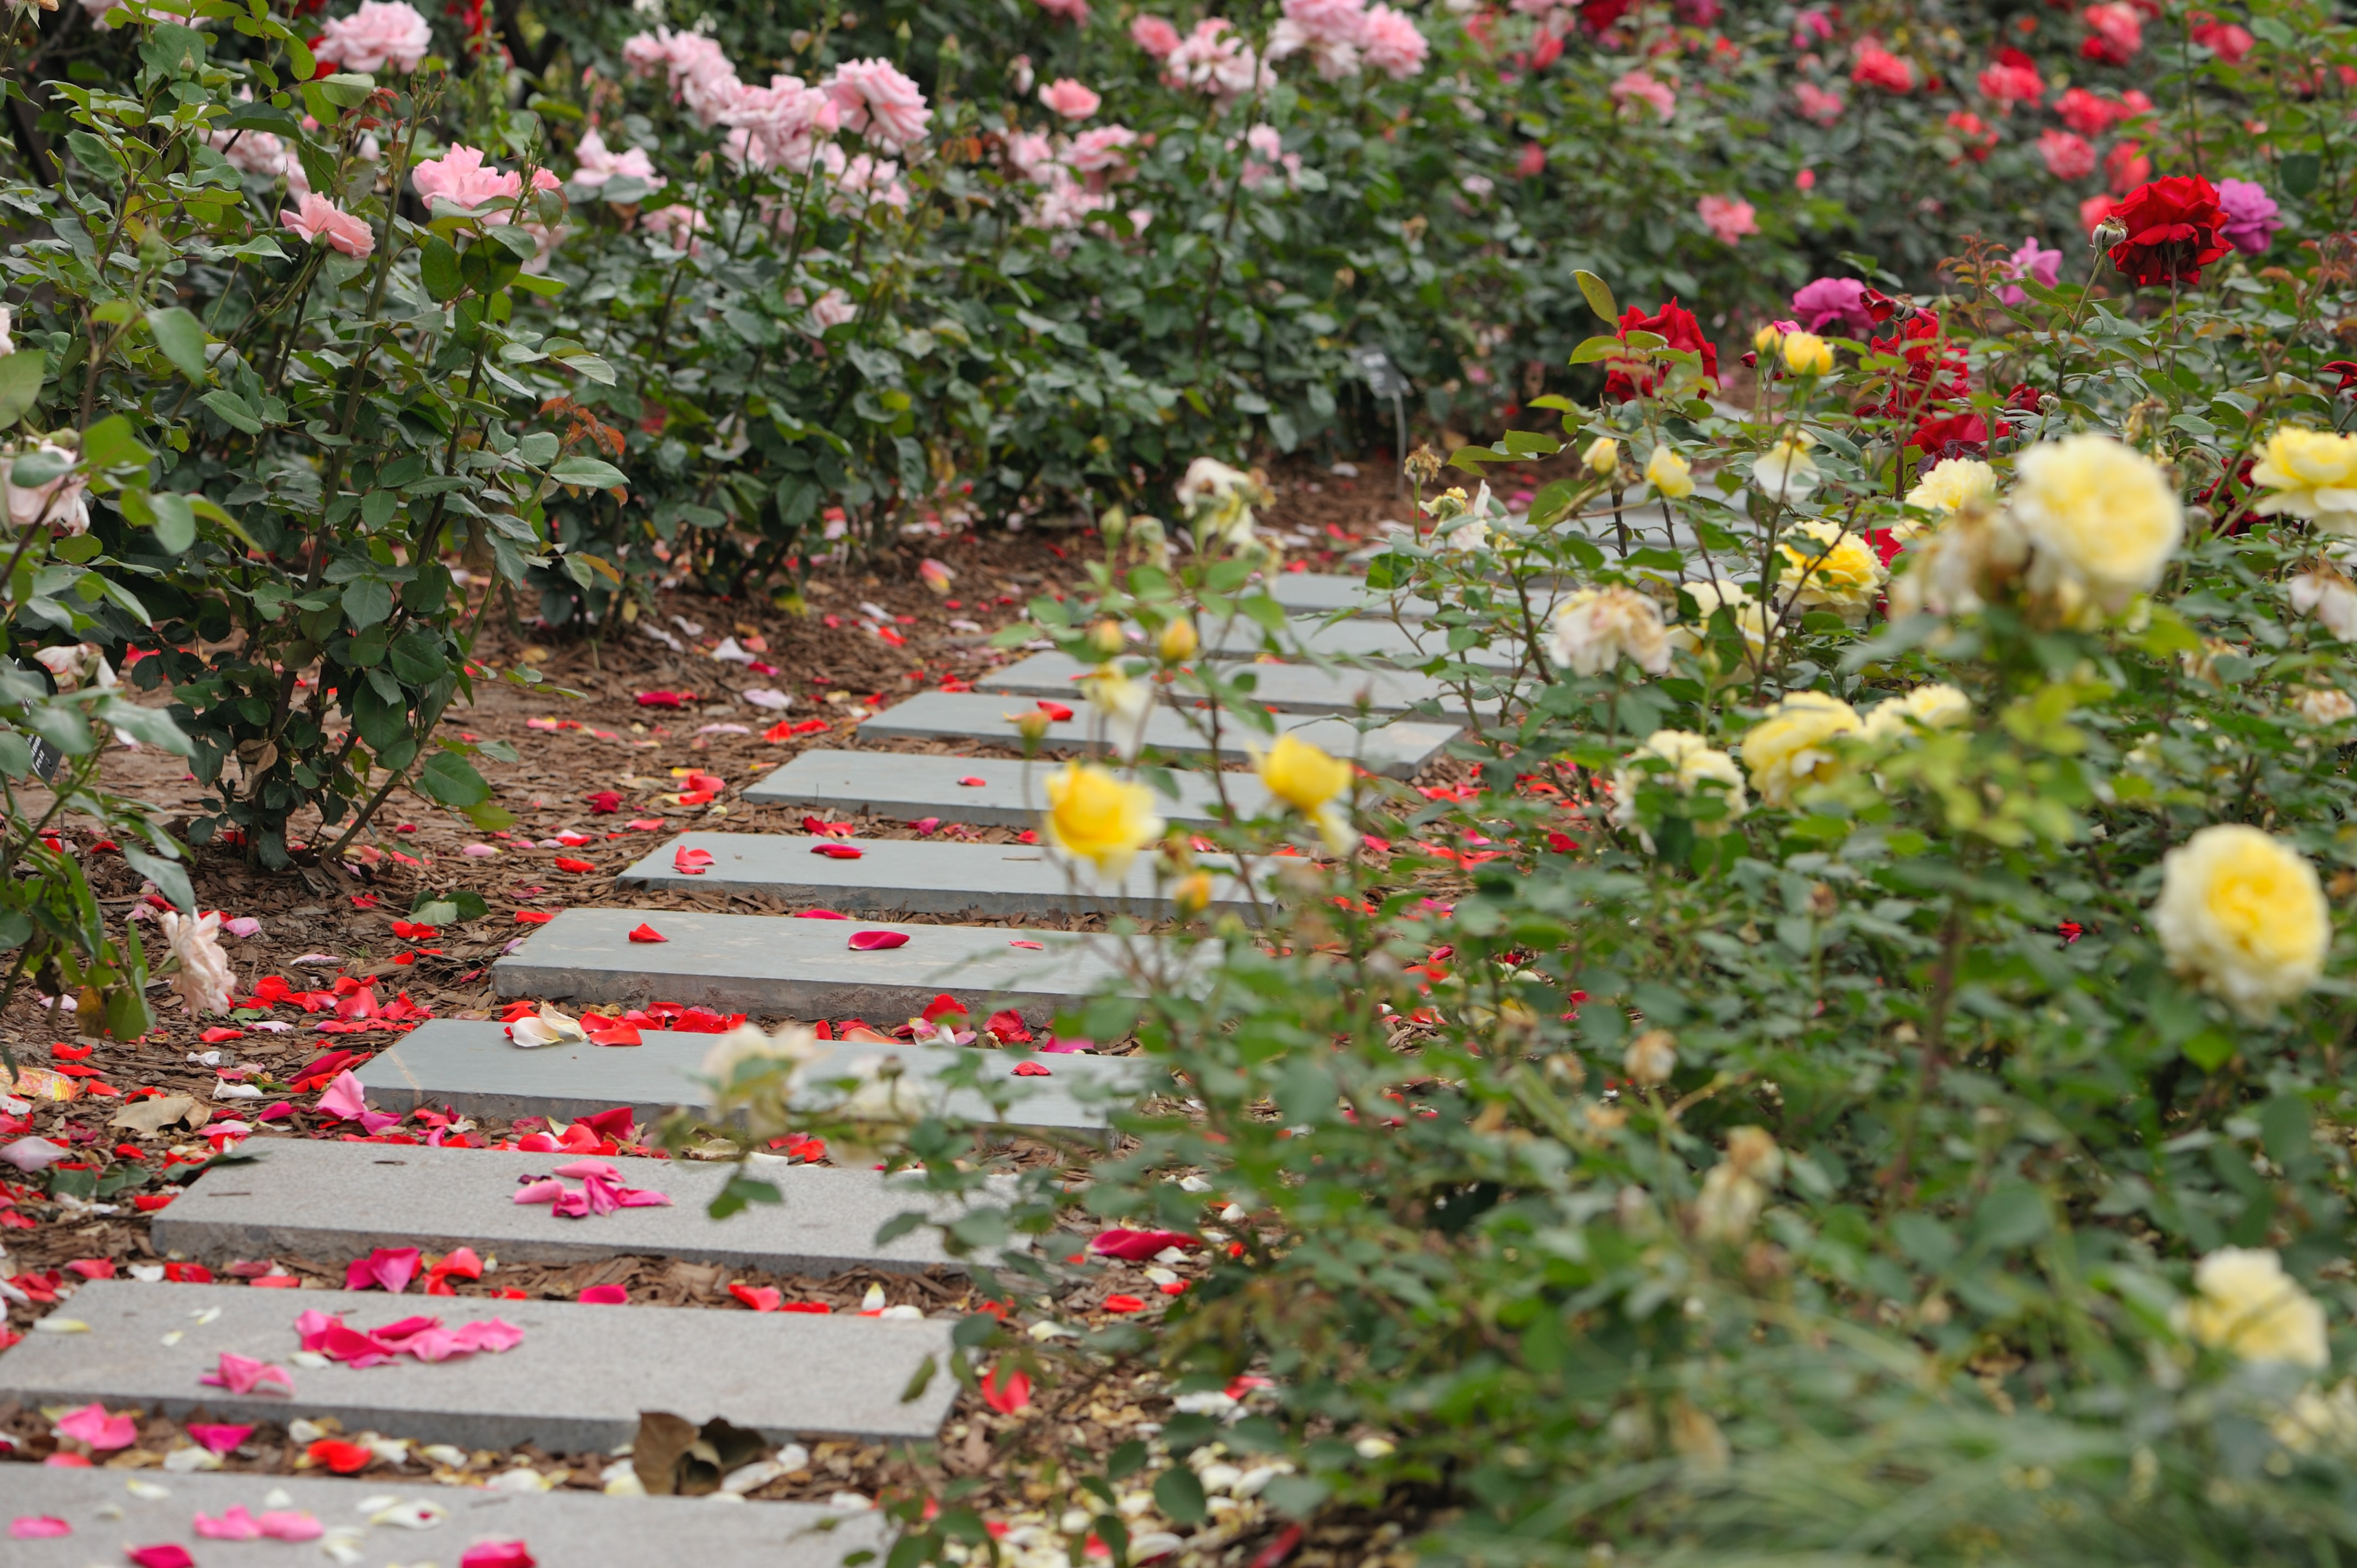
(643, 932)
(877, 942)
(534, 917)
(834, 851)
(1123, 1304)
(567, 863)
(1031, 1070)
(973, 783)
(821, 914)
(619, 1035)
(1056, 711)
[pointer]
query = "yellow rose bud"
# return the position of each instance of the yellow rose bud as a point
(1302, 776)
(1603, 455)
(1178, 642)
(1807, 354)
(1766, 338)
(1668, 473)
(1192, 893)
(1032, 726)
(1105, 639)
(1095, 816)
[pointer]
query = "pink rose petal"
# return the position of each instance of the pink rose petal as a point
(38, 1527)
(877, 942)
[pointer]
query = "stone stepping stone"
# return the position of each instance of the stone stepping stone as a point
(562, 1528)
(1324, 593)
(316, 1198)
(473, 1068)
(782, 966)
(905, 876)
(1376, 640)
(577, 1381)
(1400, 750)
(1290, 688)
(910, 788)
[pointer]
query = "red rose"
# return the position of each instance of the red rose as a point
(2024, 398)
(2173, 231)
(1675, 325)
(1936, 380)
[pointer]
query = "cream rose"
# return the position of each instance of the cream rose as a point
(1786, 748)
(2244, 1303)
(2101, 517)
(2241, 916)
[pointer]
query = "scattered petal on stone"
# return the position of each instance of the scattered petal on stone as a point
(877, 942)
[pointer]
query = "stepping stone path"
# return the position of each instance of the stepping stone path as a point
(1377, 640)
(473, 1068)
(105, 1513)
(985, 791)
(906, 877)
(1401, 750)
(579, 1376)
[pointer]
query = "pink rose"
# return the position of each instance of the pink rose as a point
(597, 165)
(831, 308)
(1213, 58)
(1155, 36)
(1877, 67)
(1641, 87)
(461, 178)
(2033, 261)
(1070, 99)
(879, 103)
(1074, 11)
(1817, 105)
(677, 226)
(1104, 150)
(1330, 21)
(2067, 155)
(1393, 45)
(1730, 218)
(379, 34)
(317, 217)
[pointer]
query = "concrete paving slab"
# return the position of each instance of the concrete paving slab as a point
(1324, 593)
(904, 876)
(1371, 639)
(1011, 794)
(473, 1068)
(779, 965)
(1399, 749)
(1291, 688)
(577, 1380)
(561, 1529)
(314, 1198)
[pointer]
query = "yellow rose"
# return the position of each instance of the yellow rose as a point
(1695, 765)
(1952, 482)
(1178, 642)
(1764, 341)
(2248, 1306)
(1314, 784)
(2241, 916)
(1668, 473)
(1787, 747)
(2312, 475)
(1836, 568)
(1603, 455)
(2101, 516)
(1098, 818)
(1807, 354)
(1936, 706)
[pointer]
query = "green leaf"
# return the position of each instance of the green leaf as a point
(588, 472)
(170, 877)
(1599, 294)
(920, 1380)
(2209, 1050)
(452, 779)
(2300, 171)
(176, 521)
(1597, 348)
(345, 88)
(182, 338)
(489, 816)
(234, 411)
(438, 261)
(1178, 1493)
(20, 383)
(108, 444)
(367, 602)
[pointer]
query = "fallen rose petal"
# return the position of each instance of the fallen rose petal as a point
(604, 1295)
(877, 942)
(643, 932)
(1123, 1304)
(92, 1424)
(288, 1525)
(166, 1555)
(689, 861)
(31, 1154)
(821, 915)
(604, 802)
(244, 1374)
(925, 826)
(496, 1554)
(1031, 1070)
(567, 863)
(971, 782)
(38, 1527)
(344, 1459)
(1056, 711)
(619, 1035)
(1136, 1246)
(835, 850)
(241, 928)
(761, 1298)
(218, 1439)
(534, 917)
(234, 1524)
(1036, 947)
(1005, 1391)
(391, 1268)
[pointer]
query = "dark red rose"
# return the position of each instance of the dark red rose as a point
(2024, 398)
(2346, 370)
(1927, 395)
(1600, 14)
(1675, 325)
(1962, 434)
(2174, 230)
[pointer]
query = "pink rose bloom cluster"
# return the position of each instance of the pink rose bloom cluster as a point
(597, 164)
(1074, 11)
(677, 226)
(1075, 177)
(786, 125)
(1817, 105)
(1835, 304)
(1070, 99)
(2252, 216)
(1726, 217)
(2067, 155)
(317, 217)
(1155, 36)
(879, 103)
(381, 33)
(2033, 261)
(1214, 59)
(1269, 158)
(1877, 67)
(1342, 36)
(259, 151)
(462, 178)
(698, 72)
(1643, 87)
